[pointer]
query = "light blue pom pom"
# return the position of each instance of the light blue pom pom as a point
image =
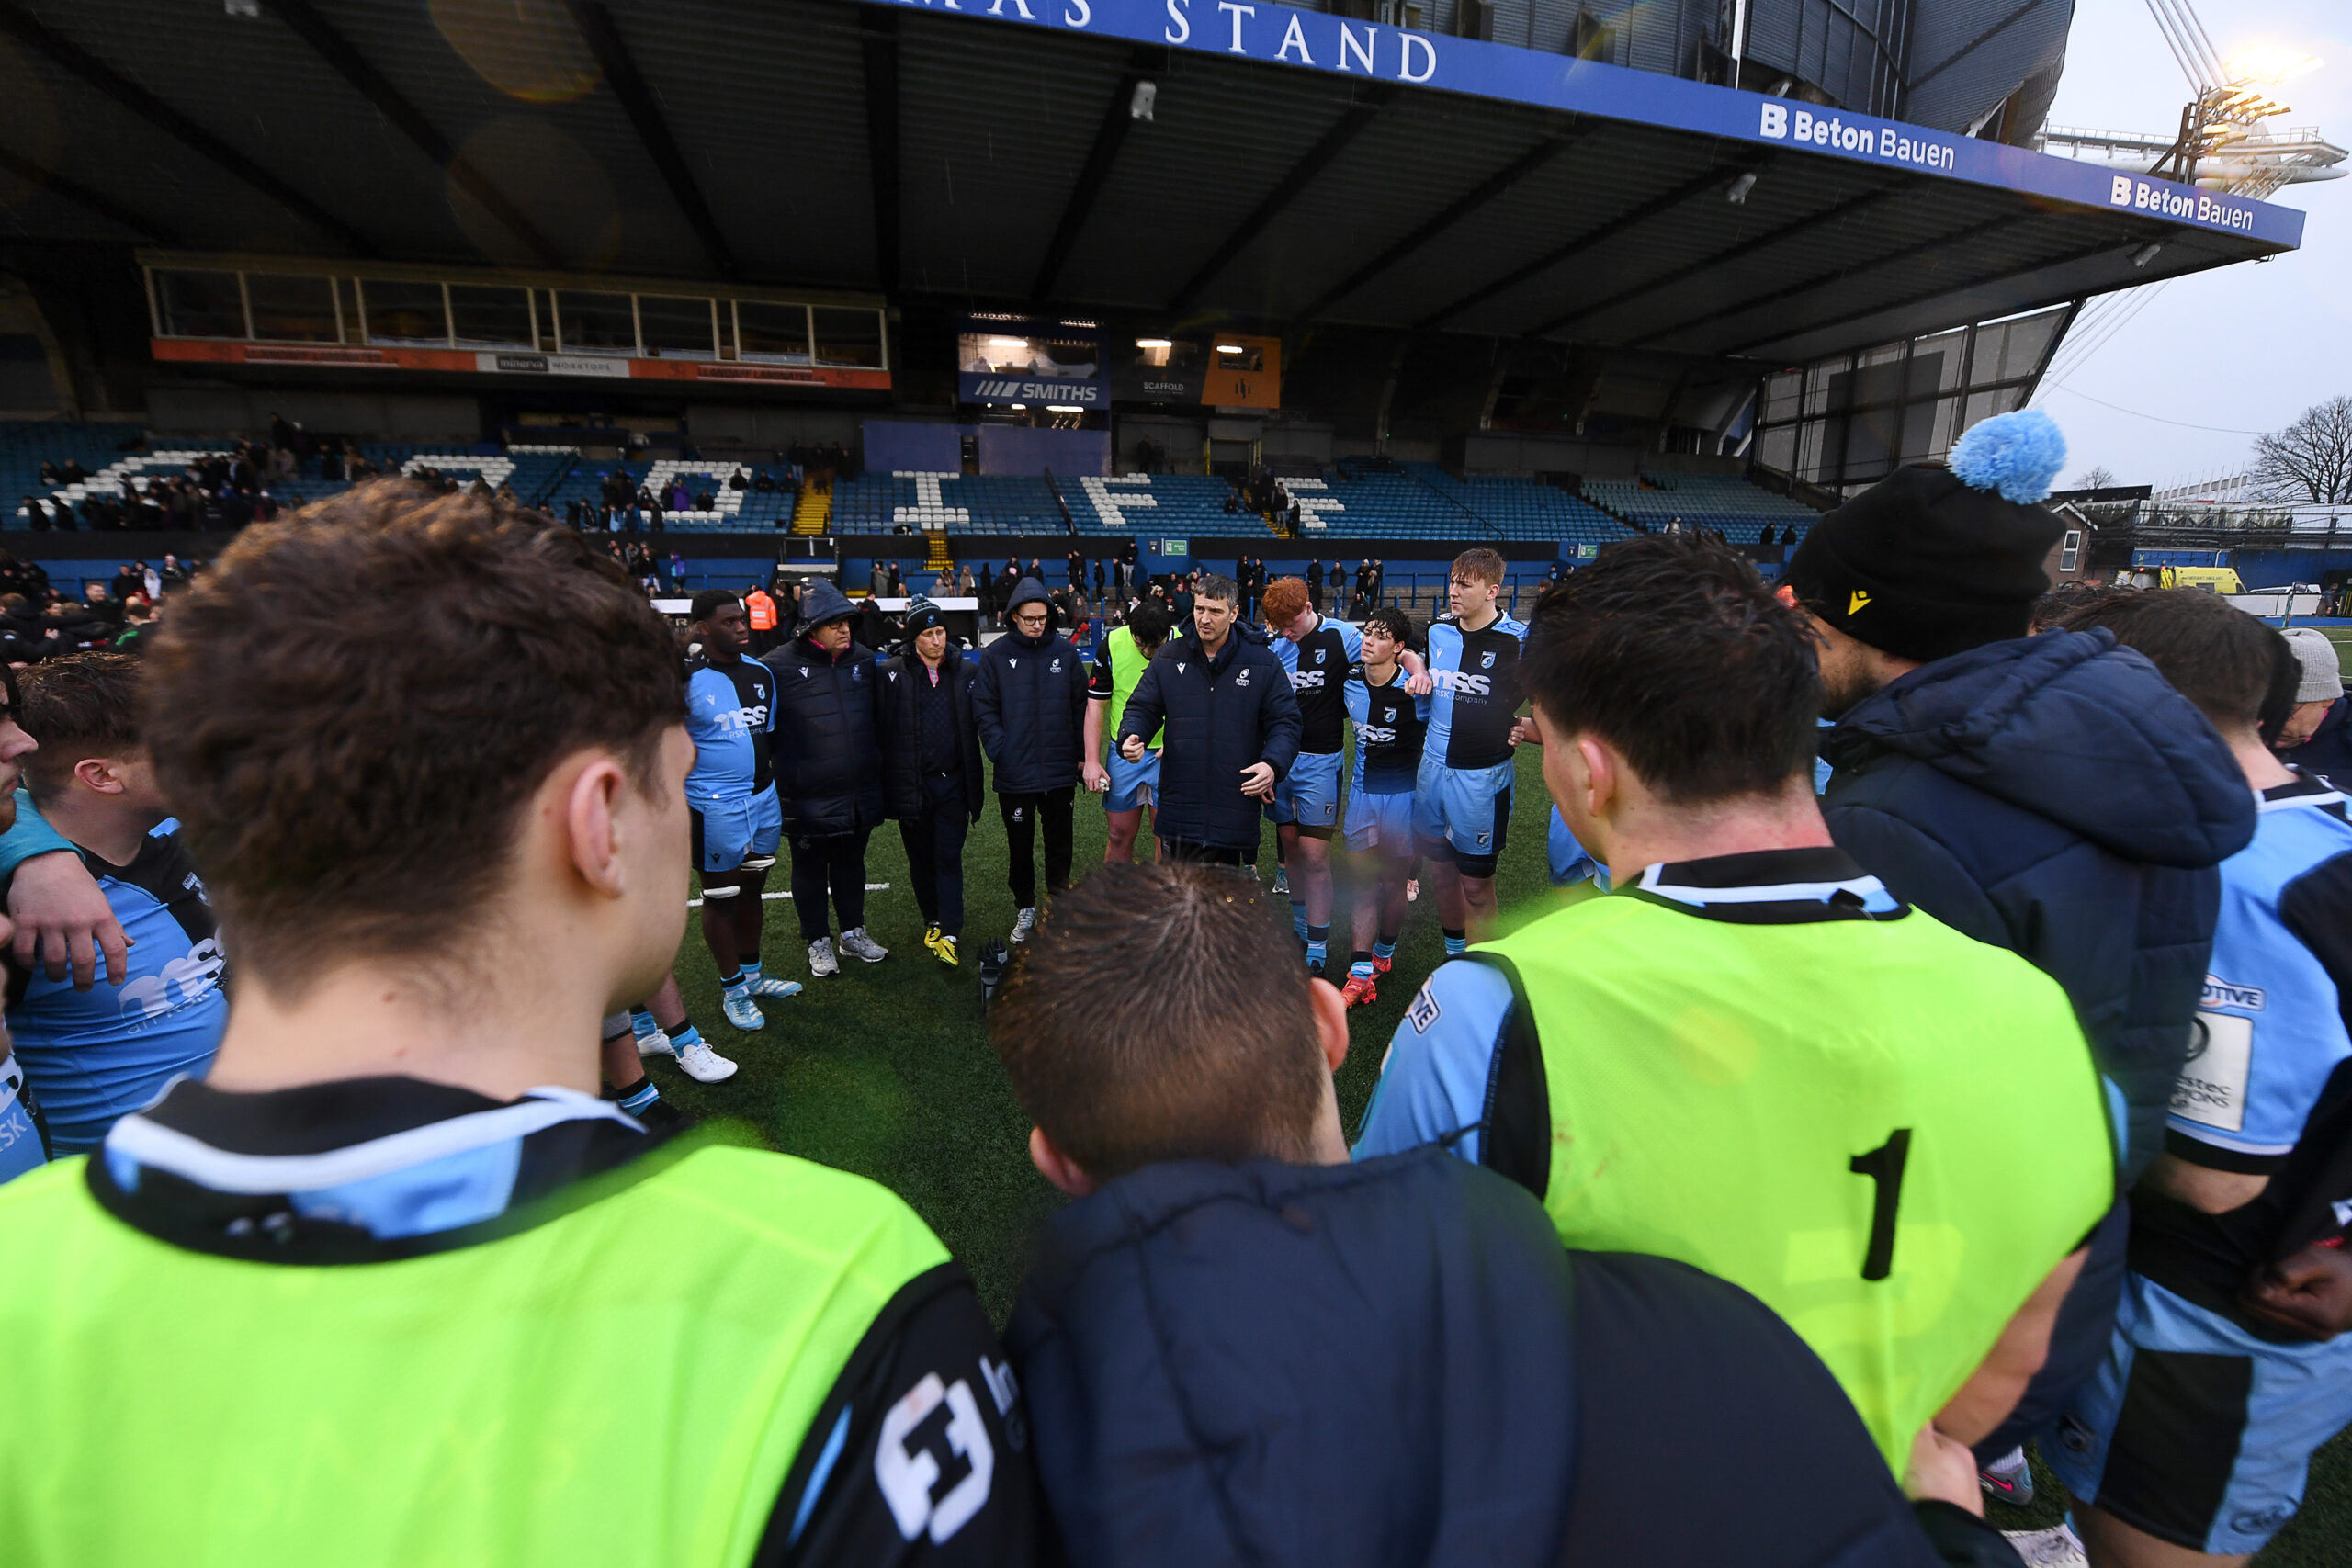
(2017, 454)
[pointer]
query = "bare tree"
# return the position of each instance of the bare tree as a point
(2095, 478)
(2311, 460)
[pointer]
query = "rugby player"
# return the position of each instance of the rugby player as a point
(1889, 1132)
(2230, 1362)
(1391, 725)
(730, 713)
(94, 1055)
(1126, 787)
(1463, 794)
(1315, 653)
(392, 1285)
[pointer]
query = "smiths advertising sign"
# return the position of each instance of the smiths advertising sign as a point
(1015, 359)
(1313, 40)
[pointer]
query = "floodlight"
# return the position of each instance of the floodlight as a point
(1231, 348)
(2271, 63)
(1008, 342)
(1064, 408)
(1154, 342)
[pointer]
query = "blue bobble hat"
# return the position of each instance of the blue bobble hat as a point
(1938, 559)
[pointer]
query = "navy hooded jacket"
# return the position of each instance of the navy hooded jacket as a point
(1030, 701)
(1396, 1363)
(2329, 750)
(828, 758)
(1222, 714)
(2053, 795)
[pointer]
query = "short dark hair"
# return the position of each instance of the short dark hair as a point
(710, 601)
(2223, 659)
(1391, 620)
(1672, 649)
(1215, 586)
(350, 709)
(1157, 1014)
(1147, 624)
(2054, 607)
(1480, 562)
(82, 705)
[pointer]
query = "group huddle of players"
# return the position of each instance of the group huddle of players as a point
(1435, 723)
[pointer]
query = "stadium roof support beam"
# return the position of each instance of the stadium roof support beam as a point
(878, 40)
(372, 85)
(1346, 129)
(71, 57)
(603, 37)
(1118, 118)
(1836, 274)
(1454, 211)
(1770, 237)
(82, 196)
(1673, 197)
(2088, 253)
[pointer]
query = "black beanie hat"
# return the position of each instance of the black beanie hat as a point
(1934, 561)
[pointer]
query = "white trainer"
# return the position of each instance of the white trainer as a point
(1023, 925)
(656, 1043)
(821, 961)
(703, 1065)
(857, 945)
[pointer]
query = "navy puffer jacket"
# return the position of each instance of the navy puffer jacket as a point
(1221, 715)
(1394, 1364)
(1029, 699)
(2053, 795)
(828, 757)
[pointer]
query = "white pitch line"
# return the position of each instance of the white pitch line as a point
(870, 887)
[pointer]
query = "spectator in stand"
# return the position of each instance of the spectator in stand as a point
(1077, 567)
(2314, 738)
(829, 774)
(1029, 700)
(894, 583)
(931, 776)
(1238, 1347)
(2049, 794)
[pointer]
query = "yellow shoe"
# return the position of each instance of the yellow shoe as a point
(945, 948)
(930, 936)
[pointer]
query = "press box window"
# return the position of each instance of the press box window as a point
(766, 330)
(414, 314)
(290, 307)
(488, 316)
(200, 304)
(849, 337)
(676, 329)
(597, 323)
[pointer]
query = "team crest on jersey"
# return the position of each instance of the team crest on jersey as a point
(1318, 655)
(1242, 678)
(1056, 669)
(858, 672)
(1423, 1014)
(894, 677)
(1014, 662)
(1180, 666)
(804, 671)
(1488, 662)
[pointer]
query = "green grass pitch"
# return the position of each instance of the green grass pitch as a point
(887, 1070)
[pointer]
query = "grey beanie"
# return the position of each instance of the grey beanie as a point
(2322, 672)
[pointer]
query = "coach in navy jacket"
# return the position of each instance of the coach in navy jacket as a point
(1224, 713)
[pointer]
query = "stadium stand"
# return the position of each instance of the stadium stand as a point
(958, 504)
(1179, 505)
(1521, 508)
(1726, 502)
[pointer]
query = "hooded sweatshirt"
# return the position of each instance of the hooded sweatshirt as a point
(1029, 699)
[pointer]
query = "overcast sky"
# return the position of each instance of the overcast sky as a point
(2246, 348)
